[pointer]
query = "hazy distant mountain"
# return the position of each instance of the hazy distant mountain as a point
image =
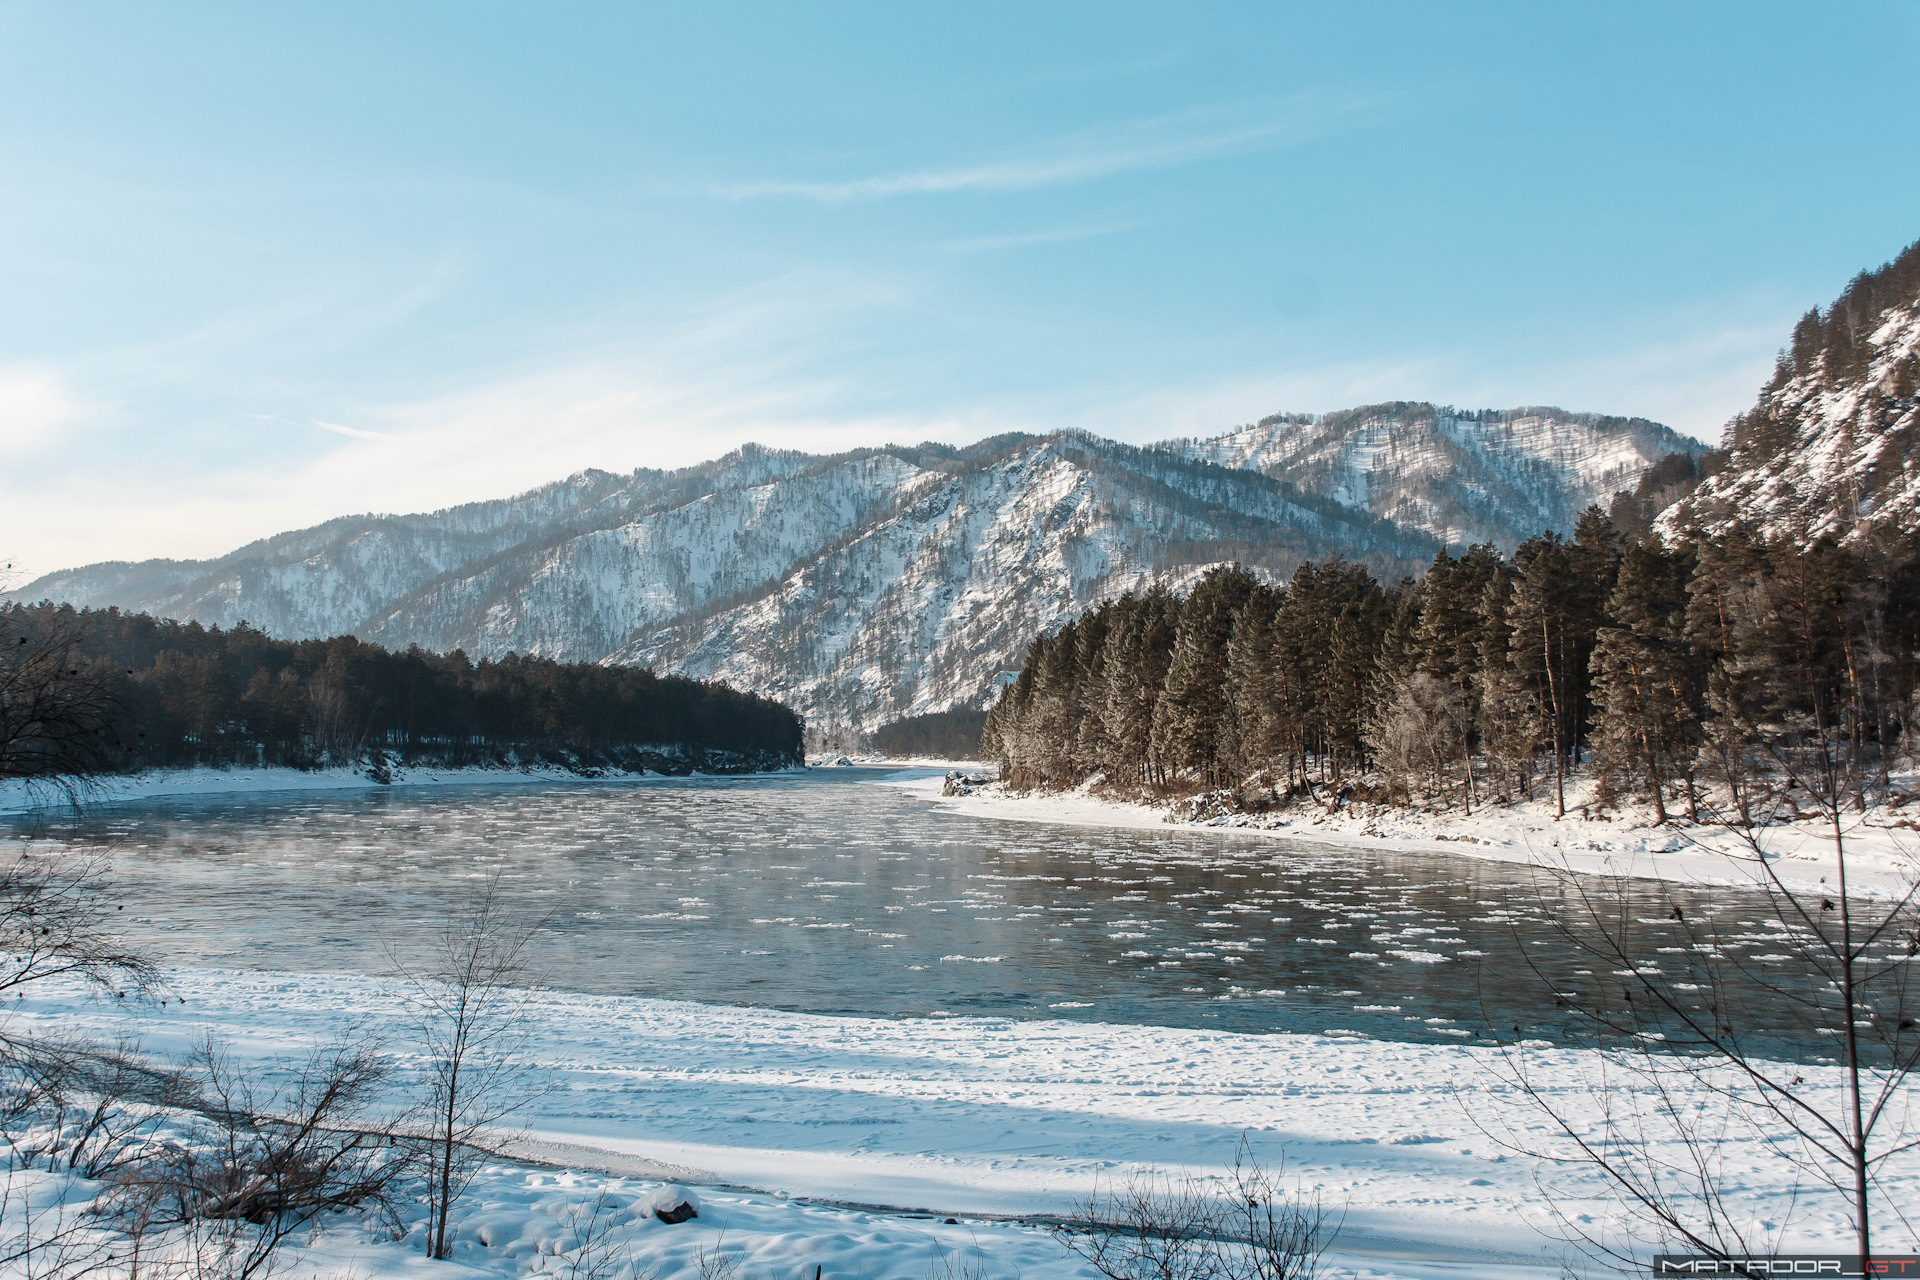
(1833, 445)
(864, 586)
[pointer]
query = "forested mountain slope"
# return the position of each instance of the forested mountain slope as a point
(864, 586)
(1832, 446)
(1482, 476)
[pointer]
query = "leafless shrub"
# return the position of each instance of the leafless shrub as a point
(257, 1163)
(1158, 1226)
(469, 992)
(1285, 1231)
(960, 1264)
(601, 1244)
(1805, 1048)
(87, 1109)
(714, 1262)
(69, 1110)
(43, 1234)
(57, 919)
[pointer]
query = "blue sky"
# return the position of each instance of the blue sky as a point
(265, 264)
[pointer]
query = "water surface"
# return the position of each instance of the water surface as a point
(831, 893)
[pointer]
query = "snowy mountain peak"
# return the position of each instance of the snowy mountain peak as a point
(1497, 476)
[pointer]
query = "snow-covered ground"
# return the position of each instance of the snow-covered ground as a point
(845, 1143)
(785, 1120)
(1883, 850)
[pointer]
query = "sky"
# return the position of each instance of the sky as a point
(262, 265)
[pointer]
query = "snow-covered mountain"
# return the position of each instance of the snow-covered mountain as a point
(1464, 477)
(1832, 448)
(864, 586)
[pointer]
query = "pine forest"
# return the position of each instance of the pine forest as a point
(1656, 670)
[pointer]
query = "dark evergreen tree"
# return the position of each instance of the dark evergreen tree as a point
(1544, 592)
(1193, 726)
(1250, 682)
(1648, 689)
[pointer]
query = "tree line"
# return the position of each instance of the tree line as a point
(93, 691)
(1660, 669)
(941, 735)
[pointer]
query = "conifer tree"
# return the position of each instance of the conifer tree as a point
(1724, 589)
(1449, 639)
(1647, 686)
(1509, 721)
(1089, 747)
(1191, 722)
(1139, 648)
(1543, 591)
(1250, 683)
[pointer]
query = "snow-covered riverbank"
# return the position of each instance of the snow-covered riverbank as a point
(962, 1117)
(16, 797)
(1883, 849)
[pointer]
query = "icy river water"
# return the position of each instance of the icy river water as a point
(828, 892)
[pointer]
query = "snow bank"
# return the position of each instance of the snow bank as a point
(972, 1118)
(1883, 851)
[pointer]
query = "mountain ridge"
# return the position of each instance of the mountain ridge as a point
(880, 582)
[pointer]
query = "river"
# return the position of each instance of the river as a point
(830, 892)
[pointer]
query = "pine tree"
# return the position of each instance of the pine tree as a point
(1543, 590)
(1449, 639)
(1139, 647)
(1090, 745)
(1250, 683)
(1648, 691)
(1191, 726)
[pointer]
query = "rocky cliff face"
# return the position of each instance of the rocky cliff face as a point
(1832, 448)
(866, 586)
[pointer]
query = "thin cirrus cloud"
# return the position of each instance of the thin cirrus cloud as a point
(1163, 143)
(357, 433)
(1034, 239)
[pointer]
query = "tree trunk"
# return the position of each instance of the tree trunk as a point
(1553, 701)
(1856, 1136)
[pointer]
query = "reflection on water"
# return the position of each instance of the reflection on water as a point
(828, 893)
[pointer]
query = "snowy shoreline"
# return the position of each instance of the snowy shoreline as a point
(849, 1139)
(803, 1114)
(15, 797)
(1883, 857)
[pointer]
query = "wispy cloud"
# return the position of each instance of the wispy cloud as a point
(357, 433)
(1029, 239)
(1161, 143)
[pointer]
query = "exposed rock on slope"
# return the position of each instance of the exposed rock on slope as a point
(1830, 449)
(865, 586)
